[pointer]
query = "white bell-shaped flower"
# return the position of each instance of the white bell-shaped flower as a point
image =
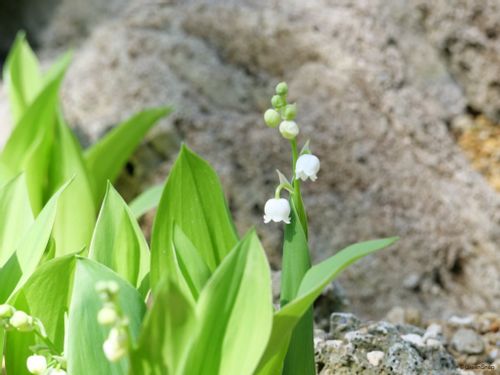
(6, 311)
(115, 347)
(277, 209)
(21, 321)
(307, 167)
(36, 364)
(289, 129)
(107, 316)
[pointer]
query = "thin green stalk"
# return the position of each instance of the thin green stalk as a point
(297, 195)
(296, 262)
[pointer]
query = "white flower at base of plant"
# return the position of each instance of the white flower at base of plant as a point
(115, 347)
(307, 167)
(36, 364)
(289, 129)
(6, 311)
(277, 209)
(107, 316)
(21, 321)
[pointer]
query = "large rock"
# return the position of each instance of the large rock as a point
(380, 348)
(374, 98)
(467, 34)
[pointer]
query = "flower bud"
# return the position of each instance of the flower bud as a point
(107, 289)
(107, 316)
(21, 321)
(6, 311)
(278, 101)
(282, 88)
(289, 129)
(36, 364)
(115, 346)
(307, 167)
(272, 118)
(277, 210)
(290, 112)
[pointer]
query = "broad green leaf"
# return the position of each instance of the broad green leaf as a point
(166, 332)
(315, 280)
(85, 335)
(76, 211)
(15, 216)
(28, 148)
(296, 262)
(146, 201)
(235, 314)
(106, 158)
(194, 200)
(2, 340)
(22, 76)
(118, 242)
(194, 271)
(26, 258)
(47, 293)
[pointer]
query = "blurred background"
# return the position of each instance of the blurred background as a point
(400, 99)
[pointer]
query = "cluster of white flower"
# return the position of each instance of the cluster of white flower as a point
(115, 347)
(49, 364)
(306, 165)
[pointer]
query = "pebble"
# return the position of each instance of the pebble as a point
(461, 321)
(375, 357)
(434, 331)
(467, 341)
(414, 339)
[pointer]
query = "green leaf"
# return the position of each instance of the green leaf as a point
(315, 280)
(193, 269)
(166, 332)
(118, 242)
(47, 294)
(76, 211)
(106, 158)
(28, 147)
(26, 258)
(15, 216)
(235, 314)
(85, 336)
(22, 76)
(147, 200)
(296, 262)
(194, 200)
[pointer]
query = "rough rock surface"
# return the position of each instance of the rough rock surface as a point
(368, 348)
(375, 99)
(467, 33)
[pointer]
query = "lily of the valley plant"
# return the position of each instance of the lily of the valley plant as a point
(82, 291)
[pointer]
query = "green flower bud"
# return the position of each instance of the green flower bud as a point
(289, 129)
(278, 101)
(282, 88)
(272, 118)
(290, 112)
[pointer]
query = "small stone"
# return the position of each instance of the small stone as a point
(375, 357)
(413, 316)
(414, 339)
(341, 323)
(434, 331)
(396, 315)
(433, 343)
(458, 321)
(467, 341)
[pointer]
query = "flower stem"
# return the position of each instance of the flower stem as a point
(297, 196)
